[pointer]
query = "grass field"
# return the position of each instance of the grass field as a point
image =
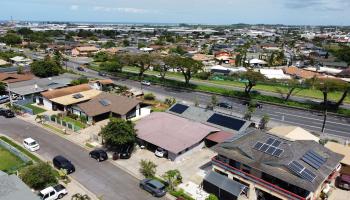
(8, 160)
(36, 110)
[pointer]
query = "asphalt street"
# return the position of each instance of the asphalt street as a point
(309, 120)
(103, 179)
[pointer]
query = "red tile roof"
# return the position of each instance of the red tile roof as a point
(219, 137)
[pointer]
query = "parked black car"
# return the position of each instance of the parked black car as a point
(126, 151)
(224, 105)
(99, 155)
(247, 103)
(153, 186)
(80, 69)
(61, 162)
(6, 113)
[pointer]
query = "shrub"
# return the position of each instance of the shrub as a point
(148, 168)
(211, 197)
(170, 101)
(38, 176)
(203, 75)
(149, 96)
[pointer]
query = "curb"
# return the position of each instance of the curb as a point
(240, 98)
(48, 161)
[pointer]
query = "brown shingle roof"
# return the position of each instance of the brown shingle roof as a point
(103, 81)
(65, 91)
(294, 71)
(219, 137)
(118, 104)
(14, 77)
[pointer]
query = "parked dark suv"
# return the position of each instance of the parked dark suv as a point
(99, 155)
(256, 104)
(61, 162)
(153, 186)
(126, 151)
(6, 113)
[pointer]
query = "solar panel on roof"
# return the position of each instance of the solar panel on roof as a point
(270, 150)
(276, 143)
(264, 147)
(277, 153)
(78, 96)
(105, 102)
(226, 121)
(308, 175)
(313, 159)
(270, 141)
(258, 145)
(301, 171)
(178, 108)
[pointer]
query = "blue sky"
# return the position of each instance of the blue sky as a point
(303, 12)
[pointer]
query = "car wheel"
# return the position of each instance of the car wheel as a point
(141, 186)
(154, 194)
(60, 196)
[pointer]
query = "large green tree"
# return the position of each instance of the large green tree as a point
(2, 88)
(326, 86)
(187, 66)
(118, 132)
(45, 68)
(251, 78)
(38, 176)
(11, 39)
(143, 61)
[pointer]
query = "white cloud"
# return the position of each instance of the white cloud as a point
(74, 7)
(124, 10)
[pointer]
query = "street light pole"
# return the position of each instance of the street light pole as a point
(10, 96)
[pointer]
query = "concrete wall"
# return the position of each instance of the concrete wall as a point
(47, 104)
(189, 151)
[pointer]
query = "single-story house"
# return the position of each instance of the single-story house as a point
(20, 60)
(300, 73)
(31, 89)
(13, 188)
(172, 133)
(105, 105)
(344, 150)
(274, 74)
(257, 62)
(84, 51)
(63, 98)
(14, 77)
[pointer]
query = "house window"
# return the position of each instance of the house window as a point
(223, 159)
(220, 172)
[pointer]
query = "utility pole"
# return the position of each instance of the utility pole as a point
(324, 117)
(10, 96)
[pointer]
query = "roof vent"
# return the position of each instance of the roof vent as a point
(105, 102)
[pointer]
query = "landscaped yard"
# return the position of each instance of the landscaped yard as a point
(77, 123)
(8, 160)
(36, 110)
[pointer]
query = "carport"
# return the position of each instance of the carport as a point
(223, 187)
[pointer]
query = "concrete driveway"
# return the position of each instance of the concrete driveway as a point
(103, 179)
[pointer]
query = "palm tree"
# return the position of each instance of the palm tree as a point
(79, 196)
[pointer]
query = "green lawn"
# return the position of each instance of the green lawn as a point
(75, 122)
(36, 110)
(9, 161)
(20, 148)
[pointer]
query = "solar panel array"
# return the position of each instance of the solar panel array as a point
(178, 108)
(105, 102)
(78, 96)
(270, 147)
(301, 171)
(226, 121)
(313, 159)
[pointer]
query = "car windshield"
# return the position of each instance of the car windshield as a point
(160, 149)
(41, 195)
(33, 143)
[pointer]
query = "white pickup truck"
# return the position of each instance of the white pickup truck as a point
(53, 192)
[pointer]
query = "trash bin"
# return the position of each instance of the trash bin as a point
(115, 156)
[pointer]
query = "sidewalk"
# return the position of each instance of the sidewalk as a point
(81, 139)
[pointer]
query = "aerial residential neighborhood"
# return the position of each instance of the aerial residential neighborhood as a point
(187, 100)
